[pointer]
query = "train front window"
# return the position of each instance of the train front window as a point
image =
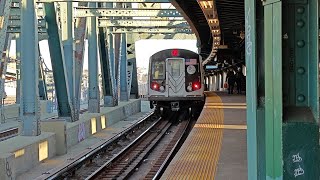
(158, 70)
(174, 67)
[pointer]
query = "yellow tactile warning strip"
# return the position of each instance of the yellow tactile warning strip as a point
(201, 150)
(221, 126)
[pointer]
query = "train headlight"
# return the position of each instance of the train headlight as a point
(189, 88)
(161, 88)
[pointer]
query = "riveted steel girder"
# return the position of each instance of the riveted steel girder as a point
(107, 1)
(112, 12)
(151, 30)
(143, 23)
(15, 12)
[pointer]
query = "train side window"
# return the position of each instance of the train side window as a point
(158, 70)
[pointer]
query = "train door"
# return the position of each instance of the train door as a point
(175, 77)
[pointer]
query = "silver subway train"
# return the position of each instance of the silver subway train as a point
(175, 80)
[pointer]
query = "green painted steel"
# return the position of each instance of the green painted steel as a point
(58, 67)
(106, 1)
(301, 150)
(273, 89)
(79, 36)
(117, 44)
(67, 36)
(104, 65)
(151, 30)
(251, 98)
(134, 92)
(123, 70)
(94, 98)
(29, 103)
(143, 23)
(119, 12)
(18, 51)
(301, 154)
(42, 83)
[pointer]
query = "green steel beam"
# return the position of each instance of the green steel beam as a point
(105, 66)
(151, 30)
(120, 12)
(41, 30)
(94, 98)
(107, 1)
(142, 23)
(79, 36)
(273, 90)
(67, 35)
(251, 88)
(117, 41)
(58, 66)
(18, 52)
(3, 71)
(42, 84)
(4, 13)
(15, 12)
(134, 92)
(17, 22)
(178, 36)
(29, 111)
(123, 69)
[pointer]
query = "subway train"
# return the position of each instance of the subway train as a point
(176, 80)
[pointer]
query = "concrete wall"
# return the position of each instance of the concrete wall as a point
(80, 130)
(11, 112)
(30, 157)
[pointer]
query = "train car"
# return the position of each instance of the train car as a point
(175, 80)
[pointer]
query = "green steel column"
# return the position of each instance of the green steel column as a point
(112, 101)
(42, 80)
(57, 61)
(124, 96)
(117, 40)
(273, 89)
(300, 90)
(67, 28)
(134, 92)
(29, 107)
(18, 51)
(105, 67)
(79, 36)
(94, 98)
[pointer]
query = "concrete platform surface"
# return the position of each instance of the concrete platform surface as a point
(216, 148)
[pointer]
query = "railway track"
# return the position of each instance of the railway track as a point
(81, 166)
(9, 133)
(129, 161)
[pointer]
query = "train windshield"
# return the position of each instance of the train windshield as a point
(158, 70)
(174, 67)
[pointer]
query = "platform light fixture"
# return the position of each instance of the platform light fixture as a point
(93, 125)
(43, 150)
(19, 153)
(206, 4)
(103, 121)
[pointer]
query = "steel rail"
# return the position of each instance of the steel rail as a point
(59, 171)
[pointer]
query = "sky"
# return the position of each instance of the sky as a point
(144, 49)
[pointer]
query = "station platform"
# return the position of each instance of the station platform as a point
(216, 148)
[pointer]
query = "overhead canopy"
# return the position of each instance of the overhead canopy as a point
(192, 12)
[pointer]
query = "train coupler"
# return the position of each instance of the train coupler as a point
(175, 106)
